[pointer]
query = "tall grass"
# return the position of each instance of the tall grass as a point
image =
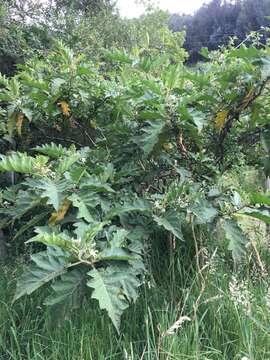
(221, 328)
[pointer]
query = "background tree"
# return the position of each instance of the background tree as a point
(85, 6)
(214, 23)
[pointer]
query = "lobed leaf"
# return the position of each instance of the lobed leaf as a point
(151, 135)
(236, 237)
(18, 162)
(68, 290)
(172, 222)
(53, 150)
(47, 265)
(114, 288)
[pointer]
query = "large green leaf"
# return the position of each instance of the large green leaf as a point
(245, 52)
(172, 222)
(85, 201)
(151, 135)
(116, 254)
(17, 162)
(260, 198)
(53, 150)
(54, 191)
(150, 115)
(92, 231)
(51, 239)
(204, 212)
(47, 265)
(95, 184)
(66, 162)
(114, 288)
(139, 205)
(236, 238)
(199, 118)
(75, 174)
(118, 238)
(68, 289)
(118, 55)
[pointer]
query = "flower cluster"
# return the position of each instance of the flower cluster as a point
(240, 294)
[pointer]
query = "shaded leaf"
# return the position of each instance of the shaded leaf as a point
(114, 288)
(46, 266)
(151, 135)
(30, 224)
(66, 162)
(68, 289)
(85, 202)
(204, 212)
(236, 238)
(54, 191)
(172, 222)
(96, 185)
(139, 205)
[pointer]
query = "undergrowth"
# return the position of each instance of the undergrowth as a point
(231, 320)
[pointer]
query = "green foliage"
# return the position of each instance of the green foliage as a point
(114, 288)
(236, 238)
(79, 235)
(115, 148)
(151, 135)
(203, 212)
(68, 289)
(172, 222)
(242, 304)
(52, 150)
(47, 266)
(151, 142)
(17, 162)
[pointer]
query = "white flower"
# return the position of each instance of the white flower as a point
(92, 253)
(157, 205)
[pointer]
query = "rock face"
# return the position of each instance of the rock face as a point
(3, 247)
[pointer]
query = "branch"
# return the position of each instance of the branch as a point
(250, 137)
(234, 115)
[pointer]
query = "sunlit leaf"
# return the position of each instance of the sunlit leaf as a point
(220, 119)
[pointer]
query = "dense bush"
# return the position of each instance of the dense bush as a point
(150, 141)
